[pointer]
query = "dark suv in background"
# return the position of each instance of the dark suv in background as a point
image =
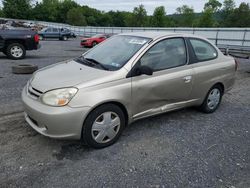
(59, 33)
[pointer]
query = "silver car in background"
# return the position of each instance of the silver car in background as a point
(126, 78)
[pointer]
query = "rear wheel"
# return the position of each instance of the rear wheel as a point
(103, 126)
(16, 51)
(94, 44)
(212, 100)
(64, 38)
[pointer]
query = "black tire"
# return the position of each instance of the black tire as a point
(91, 118)
(205, 105)
(15, 56)
(41, 37)
(94, 44)
(65, 38)
(24, 69)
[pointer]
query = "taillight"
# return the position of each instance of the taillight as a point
(236, 64)
(36, 38)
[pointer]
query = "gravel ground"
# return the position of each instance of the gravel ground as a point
(180, 149)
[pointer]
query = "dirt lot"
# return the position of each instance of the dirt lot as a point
(179, 149)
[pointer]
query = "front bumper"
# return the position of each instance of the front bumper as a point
(55, 122)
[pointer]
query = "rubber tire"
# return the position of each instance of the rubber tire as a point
(204, 107)
(24, 69)
(41, 37)
(9, 55)
(87, 126)
(65, 38)
(94, 44)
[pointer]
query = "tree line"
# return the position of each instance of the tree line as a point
(214, 14)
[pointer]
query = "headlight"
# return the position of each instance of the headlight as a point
(59, 97)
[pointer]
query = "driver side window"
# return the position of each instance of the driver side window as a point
(166, 54)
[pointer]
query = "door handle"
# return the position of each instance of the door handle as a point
(187, 79)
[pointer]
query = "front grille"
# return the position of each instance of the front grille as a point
(84, 40)
(34, 92)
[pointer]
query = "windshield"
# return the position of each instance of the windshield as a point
(115, 52)
(44, 29)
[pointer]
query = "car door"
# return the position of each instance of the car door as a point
(208, 69)
(55, 33)
(48, 33)
(171, 83)
(1, 42)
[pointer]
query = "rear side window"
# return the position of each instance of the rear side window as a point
(203, 50)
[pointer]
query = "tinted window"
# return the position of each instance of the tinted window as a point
(49, 30)
(203, 50)
(65, 30)
(166, 54)
(55, 30)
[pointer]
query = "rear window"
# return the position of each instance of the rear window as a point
(203, 50)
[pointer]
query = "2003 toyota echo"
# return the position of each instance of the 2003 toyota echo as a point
(126, 78)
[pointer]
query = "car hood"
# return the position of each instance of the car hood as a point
(70, 74)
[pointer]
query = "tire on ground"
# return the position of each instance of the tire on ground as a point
(11, 56)
(204, 107)
(41, 37)
(87, 126)
(65, 38)
(24, 69)
(94, 44)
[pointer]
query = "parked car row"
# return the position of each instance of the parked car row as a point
(15, 42)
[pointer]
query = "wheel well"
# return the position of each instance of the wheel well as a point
(221, 85)
(120, 105)
(8, 42)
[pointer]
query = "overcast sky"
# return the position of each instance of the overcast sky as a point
(128, 5)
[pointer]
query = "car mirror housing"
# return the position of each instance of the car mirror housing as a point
(145, 70)
(140, 70)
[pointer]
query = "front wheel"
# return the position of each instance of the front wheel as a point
(103, 126)
(94, 44)
(16, 51)
(41, 37)
(212, 100)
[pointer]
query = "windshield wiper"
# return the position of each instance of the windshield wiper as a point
(96, 63)
(82, 60)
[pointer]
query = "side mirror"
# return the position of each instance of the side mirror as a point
(140, 70)
(146, 70)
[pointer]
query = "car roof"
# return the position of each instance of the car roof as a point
(155, 34)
